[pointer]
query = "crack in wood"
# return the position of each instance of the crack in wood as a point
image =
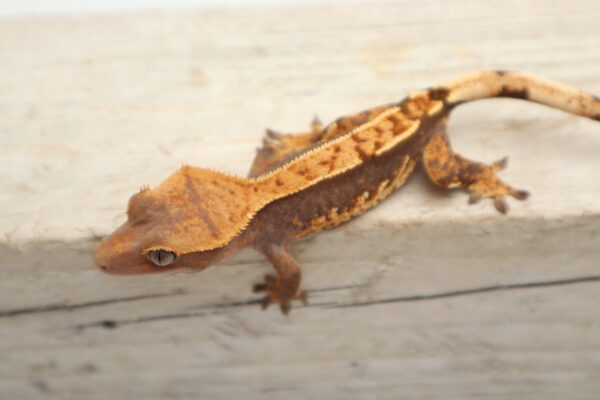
(112, 324)
(70, 307)
(466, 292)
(333, 288)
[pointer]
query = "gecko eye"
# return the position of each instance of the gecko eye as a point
(161, 258)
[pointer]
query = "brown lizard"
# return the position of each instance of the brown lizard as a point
(301, 184)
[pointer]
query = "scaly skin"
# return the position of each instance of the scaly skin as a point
(301, 184)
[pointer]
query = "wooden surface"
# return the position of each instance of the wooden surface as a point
(425, 297)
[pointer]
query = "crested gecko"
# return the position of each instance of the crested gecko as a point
(300, 184)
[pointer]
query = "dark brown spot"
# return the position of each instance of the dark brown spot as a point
(337, 149)
(356, 137)
(278, 182)
(332, 164)
(302, 172)
(378, 145)
(433, 163)
(399, 119)
(407, 106)
(323, 162)
(361, 153)
(438, 93)
(472, 169)
(514, 93)
(448, 179)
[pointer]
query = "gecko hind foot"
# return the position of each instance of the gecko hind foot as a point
(278, 294)
(487, 185)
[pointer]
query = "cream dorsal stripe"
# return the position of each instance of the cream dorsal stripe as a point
(490, 84)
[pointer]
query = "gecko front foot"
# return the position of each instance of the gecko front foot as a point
(278, 292)
(486, 184)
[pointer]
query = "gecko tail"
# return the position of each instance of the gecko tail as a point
(489, 84)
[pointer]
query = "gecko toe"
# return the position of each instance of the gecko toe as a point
(474, 198)
(303, 297)
(265, 302)
(316, 125)
(500, 164)
(487, 185)
(272, 134)
(520, 194)
(275, 294)
(285, 308)
(501, 205)
(259, 287)
(263, 287)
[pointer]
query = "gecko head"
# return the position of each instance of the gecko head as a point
(141, 245)
(125, 252)
(186, 223)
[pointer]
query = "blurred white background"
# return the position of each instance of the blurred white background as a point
(25, 7)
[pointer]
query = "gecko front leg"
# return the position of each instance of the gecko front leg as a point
(284, 286)
(451, 170)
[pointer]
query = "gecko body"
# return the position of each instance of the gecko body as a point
(301, 184)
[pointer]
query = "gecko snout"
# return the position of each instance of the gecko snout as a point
(101, 262)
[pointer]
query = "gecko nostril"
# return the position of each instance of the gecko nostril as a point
(104, 267)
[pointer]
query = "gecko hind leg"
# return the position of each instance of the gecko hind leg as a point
(451, 170)
(284, 286)
(278, 147)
